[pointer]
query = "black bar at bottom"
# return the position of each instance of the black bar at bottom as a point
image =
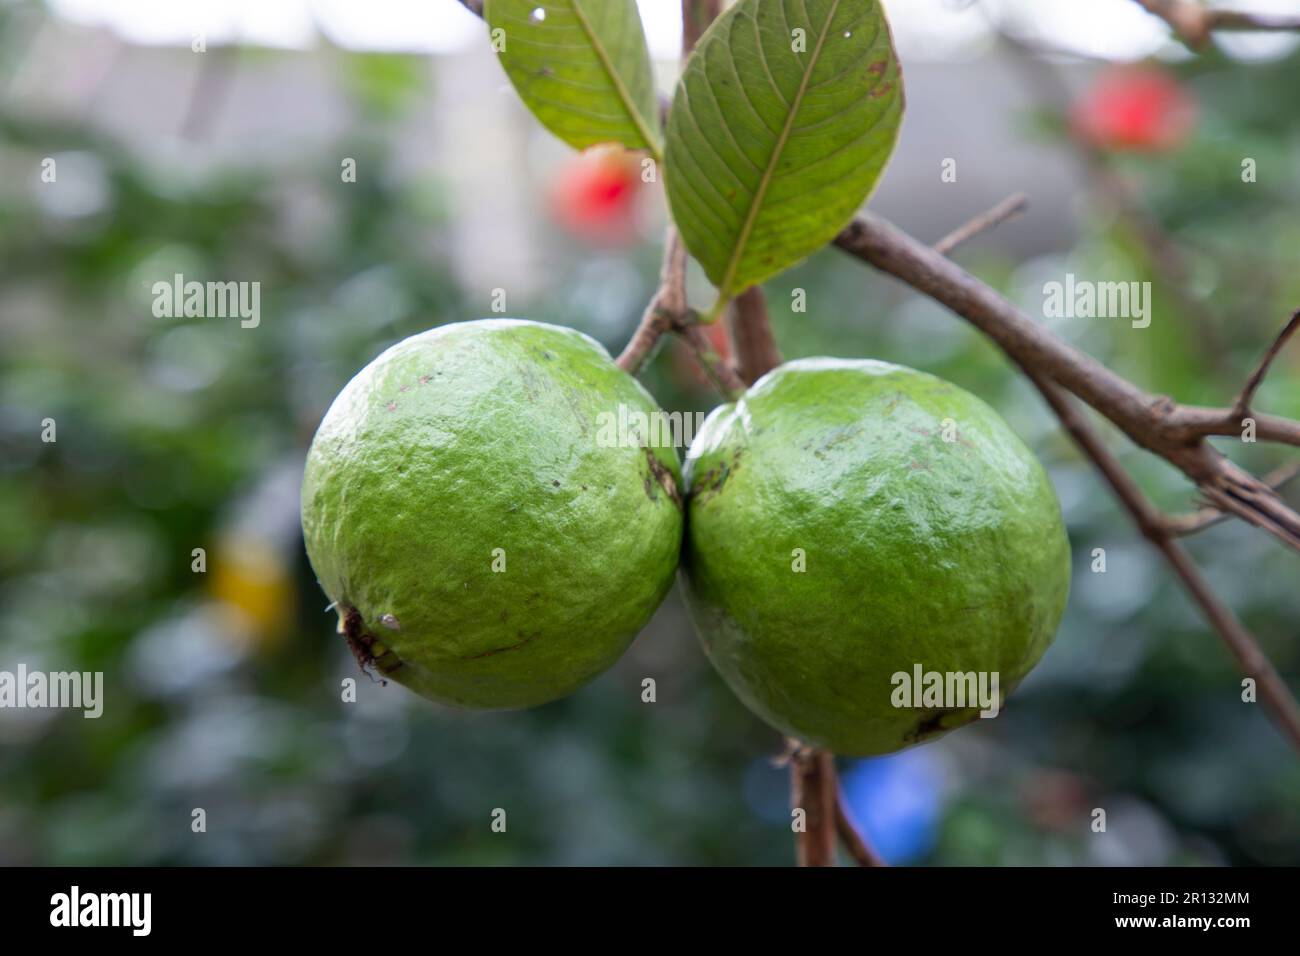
(337, 906)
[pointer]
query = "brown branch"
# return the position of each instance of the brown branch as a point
(1191, 422)
(1009, 208)
(1224, 484)
(881, 244)
(1241, 408)
(1231, 488)
(667, 305)
(751, 332)
(1155, 423)
(1180, 526)
(1250, 657)
(858, 848)
(813, 789)
(718, 369)
(696, 17)
(668, 311)
(1194, 23)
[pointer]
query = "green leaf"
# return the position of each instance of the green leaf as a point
(582, 67)
(773, 144)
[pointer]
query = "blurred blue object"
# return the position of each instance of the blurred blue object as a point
(897, 803)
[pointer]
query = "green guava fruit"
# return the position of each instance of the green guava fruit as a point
(849, 521)
(483, 542)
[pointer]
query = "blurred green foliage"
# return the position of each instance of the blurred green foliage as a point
(223, 687)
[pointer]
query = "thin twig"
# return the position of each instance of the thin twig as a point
(885, 246)
(1194, 23)
(1155, 423)
(751, 331)
(1181, 526)
(1241, 409)
(850, 836)
(717, 368)
(641, 346)
(668, 311)
(666, 305)
(671, 296)
(813, 789)
(696, 17)
(1009, 208)
(1191, 422)
(1250, 657)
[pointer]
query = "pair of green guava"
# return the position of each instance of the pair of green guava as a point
(487, 545)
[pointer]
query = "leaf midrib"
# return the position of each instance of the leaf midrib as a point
(625, 97)
(795, 103)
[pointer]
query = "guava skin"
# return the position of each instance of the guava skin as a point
(474, 437)
(951, 555)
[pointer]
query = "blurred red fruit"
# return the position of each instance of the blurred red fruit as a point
(594, 196)
(1139, 108)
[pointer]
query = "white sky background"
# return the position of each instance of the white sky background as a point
(924, 29)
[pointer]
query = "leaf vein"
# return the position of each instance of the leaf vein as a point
(759, 194)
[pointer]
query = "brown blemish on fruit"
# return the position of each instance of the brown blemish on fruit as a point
(878, 68)
(660, 477)
(391, 406)
(929, 725)
(710, 483)
(880, 90)
(839, 435)
(501, 650)
(366, 647)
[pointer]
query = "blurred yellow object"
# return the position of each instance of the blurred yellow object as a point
(250, 579)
